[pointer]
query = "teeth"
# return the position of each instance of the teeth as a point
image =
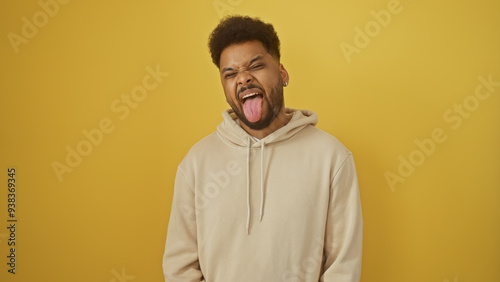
(249, 95)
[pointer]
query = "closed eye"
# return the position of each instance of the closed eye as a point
(229, 75)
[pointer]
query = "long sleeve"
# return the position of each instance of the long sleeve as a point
(180, 260)
(344, 227)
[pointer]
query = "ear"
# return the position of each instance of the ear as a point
(284, 75)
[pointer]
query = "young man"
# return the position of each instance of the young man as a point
(268, 196)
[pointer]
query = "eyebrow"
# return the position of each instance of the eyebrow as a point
(256, 58)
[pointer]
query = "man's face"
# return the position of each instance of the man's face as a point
(253, 83)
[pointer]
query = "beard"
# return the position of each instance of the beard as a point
(274, 103)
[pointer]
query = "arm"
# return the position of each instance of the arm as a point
(344, 227)
(180, 260)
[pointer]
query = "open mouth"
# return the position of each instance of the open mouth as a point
(251, 95)
(252, 104)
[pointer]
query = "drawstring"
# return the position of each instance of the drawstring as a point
(261, 179)
(261, 183)
(248, 184)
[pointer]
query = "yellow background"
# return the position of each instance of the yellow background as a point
(109, 216)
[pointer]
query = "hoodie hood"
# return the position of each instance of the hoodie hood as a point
(234, 135)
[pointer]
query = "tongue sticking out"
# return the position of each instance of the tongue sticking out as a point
(252, 108)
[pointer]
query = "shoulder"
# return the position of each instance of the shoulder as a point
(323, 147)
(331, 148)
(201, 148)
(322, 140)
(205, 143)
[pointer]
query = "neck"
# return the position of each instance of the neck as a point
(281, 120)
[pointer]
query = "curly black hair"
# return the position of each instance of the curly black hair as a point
(240, 29)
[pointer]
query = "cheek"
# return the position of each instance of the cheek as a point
(229, 91)
(268, 85)
(267, 80)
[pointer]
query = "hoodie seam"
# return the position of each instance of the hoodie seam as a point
(340, 168)
(191, 189)
(228, 143)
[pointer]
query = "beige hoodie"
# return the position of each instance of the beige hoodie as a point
(285, 208)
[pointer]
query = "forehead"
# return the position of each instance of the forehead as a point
(242, 53)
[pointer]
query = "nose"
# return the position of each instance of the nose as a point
(244, 77)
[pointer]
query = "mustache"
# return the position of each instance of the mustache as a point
(249, 86)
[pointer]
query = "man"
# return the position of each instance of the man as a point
(268, 196)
